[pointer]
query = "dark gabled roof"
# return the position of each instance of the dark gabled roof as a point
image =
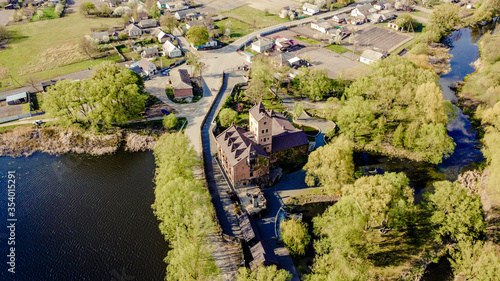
(285, 135)
(262, 252)
(236, 144)
(248, 228)
(180, 79)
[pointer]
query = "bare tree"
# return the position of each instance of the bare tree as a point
(88, 47)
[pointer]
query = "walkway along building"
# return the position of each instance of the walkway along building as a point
(271, 141)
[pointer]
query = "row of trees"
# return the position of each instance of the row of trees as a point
(183, 206)
(397, 106)
(112, 94)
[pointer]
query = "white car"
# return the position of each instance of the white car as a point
(37, 122)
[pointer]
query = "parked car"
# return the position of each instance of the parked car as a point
(165, 112)
(37, 122)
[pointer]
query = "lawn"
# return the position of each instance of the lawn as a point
(254, 17)
(45, 49)
(48, 14)
(307, 40)
(337, 49)
(238, 29)
(421, 14)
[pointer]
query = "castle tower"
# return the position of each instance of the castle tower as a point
(261, 126)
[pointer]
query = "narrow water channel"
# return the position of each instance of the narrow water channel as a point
(83, 218)
(465, 50)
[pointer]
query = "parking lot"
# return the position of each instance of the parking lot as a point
(369, 36)
(319, 57)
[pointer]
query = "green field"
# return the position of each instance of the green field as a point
(254, 17)
(48, 13)
(307, 40)
(48, 48)
(336, 48)
(238, 29)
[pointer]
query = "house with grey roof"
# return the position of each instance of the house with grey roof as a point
(149, 52)
(170, 50)
(148, 67)
(371, 56)
(132, 30)
(148, 23)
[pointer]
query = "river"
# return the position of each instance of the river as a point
(83, 218)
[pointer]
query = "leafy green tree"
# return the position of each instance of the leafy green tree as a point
(227, 116)
(331, 166)
(385, 200)
(86, 8)
(355, 118)
(263, 273)
(183, 206)
(256, 90)
(456, 215)
(170, 121)
(314, 83)
(105, 11)
(196, 64)
(197, 35)
(298, 108)
(295, 236)
(113, 94)
(262, 70)
(475, 261)
(154, 12)
(446, 16)
(406, 22)
(397, 104)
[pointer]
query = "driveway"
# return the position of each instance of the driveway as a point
(5, 16)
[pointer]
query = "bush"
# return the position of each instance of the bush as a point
(170, 121)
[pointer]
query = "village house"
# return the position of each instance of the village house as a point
(247, 155)
(262, 45)
(148, 23)
(132, 30)
(379, 6)
(393, 25)
(181, 84)
(103, 37)
(148, 67)
(340, 18)
(376, 18)
(149, 52)
(176, 6)
(160, 35)
(371, 56)
(310, 9)
(189, 15)
(140, 16)
(170, 50)
(322, 26)
(282, 43)
(362, 11)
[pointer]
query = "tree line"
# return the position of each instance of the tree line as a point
(183, 206)
(397, 106)
(372, 210)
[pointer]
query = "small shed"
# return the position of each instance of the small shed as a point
(263, 253)
(370, 56)
(248, 56)
(17, 98)
(149, 52)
